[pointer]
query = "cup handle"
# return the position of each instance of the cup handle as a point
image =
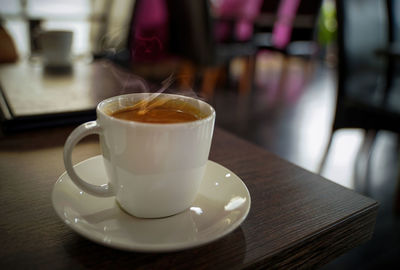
(78, 134)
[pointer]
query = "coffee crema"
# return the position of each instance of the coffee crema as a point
(160, 111)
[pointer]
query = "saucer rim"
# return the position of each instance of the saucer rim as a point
(150, 248)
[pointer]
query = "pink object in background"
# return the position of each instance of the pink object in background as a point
(150, 30)
(242, 12)
(283, 26)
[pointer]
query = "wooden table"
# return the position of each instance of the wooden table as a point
(297, 219)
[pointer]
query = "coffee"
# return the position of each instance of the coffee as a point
(160, 111)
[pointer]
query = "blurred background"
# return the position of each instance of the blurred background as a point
(316, 82)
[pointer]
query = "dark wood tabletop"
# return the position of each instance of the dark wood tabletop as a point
(297, 219)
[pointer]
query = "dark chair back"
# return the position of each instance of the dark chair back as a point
(287, 29)
(191, 30)
(364, 75)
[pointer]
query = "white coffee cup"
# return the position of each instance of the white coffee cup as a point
(154, 170)
(56, 47)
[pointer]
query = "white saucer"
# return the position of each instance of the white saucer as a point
(221, 206)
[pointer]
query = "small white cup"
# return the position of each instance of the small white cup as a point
(56, 48)
(154, 170)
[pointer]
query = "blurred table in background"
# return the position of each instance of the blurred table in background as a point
(32, 95)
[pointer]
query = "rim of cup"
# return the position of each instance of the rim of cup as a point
(100, 109)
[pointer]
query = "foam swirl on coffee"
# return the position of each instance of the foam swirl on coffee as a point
(160, 110)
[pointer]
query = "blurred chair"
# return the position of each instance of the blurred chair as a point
(177, 36)
(293, 29)
(365, 76)
(368, 97)
(291, 32)
(193, 36)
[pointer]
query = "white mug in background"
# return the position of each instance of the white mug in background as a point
(154, 170)
(55, 47)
